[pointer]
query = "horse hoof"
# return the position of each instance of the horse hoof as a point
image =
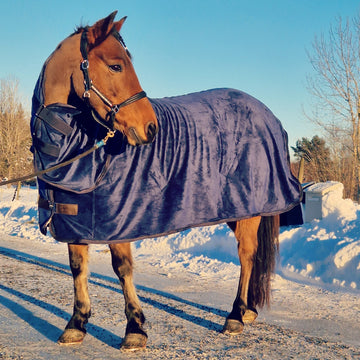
(71, 337)
(134, 342)
(233, 327)
(250, 316)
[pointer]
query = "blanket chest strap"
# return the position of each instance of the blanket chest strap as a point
(55, 121)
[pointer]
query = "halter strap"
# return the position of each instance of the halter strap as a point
(85, 62)
(114, 108)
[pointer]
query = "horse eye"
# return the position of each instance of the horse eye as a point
(115, 68)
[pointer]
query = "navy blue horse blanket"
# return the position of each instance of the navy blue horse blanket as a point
(220, 155)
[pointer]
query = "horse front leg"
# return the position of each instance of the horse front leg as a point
(246, 235)
(75, 330)
(135, 336)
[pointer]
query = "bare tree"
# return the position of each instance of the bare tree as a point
(15, 140)
(335, 88)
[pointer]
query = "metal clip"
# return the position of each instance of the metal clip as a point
(110, 134)
(51, 205)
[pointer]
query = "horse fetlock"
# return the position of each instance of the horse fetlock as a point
(238, 311)
(134, 326)
(134, 313)
(78, 321)
(75, 330)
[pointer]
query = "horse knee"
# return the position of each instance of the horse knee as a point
(78, 259)
(121, 259)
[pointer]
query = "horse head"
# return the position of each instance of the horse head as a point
(95, 65)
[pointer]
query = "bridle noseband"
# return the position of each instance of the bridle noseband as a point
(114, 108)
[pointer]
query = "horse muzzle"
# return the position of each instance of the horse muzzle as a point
(150, 131)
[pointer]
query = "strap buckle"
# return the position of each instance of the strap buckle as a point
(85, 64)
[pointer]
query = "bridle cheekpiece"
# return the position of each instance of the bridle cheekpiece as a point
(88, 84)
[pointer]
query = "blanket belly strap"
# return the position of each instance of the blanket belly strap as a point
(58, 208)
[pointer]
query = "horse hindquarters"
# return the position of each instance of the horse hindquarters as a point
(135, 336)
(75, 330)
(257, 247)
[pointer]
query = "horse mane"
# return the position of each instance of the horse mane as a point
(78, 30)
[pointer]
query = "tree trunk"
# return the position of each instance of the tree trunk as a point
(18, 190)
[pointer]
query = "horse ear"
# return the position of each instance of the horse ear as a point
(100, 30)
(118, 25)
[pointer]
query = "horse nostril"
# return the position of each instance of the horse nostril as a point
(151, 131)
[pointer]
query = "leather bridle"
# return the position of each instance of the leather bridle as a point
(114, 108)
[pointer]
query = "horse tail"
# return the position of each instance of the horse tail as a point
(265, 260)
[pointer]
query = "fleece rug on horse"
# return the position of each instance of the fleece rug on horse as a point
(220, 155)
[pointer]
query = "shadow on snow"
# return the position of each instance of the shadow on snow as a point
(52, 332)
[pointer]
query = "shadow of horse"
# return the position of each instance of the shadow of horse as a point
(153, 297)
(48, 330)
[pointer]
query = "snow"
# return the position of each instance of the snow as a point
(318, 272)
(335, 187)
(326, 250)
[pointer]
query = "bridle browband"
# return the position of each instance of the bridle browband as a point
(114, 108)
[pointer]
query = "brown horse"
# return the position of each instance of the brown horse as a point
(111, 70)
(105, 64)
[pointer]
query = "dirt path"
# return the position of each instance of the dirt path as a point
(36, 301)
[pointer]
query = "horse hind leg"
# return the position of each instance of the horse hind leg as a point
(258, 245)
(75, 329)
(246, 235)
(135, 336)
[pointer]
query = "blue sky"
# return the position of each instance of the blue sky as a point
(181, 46)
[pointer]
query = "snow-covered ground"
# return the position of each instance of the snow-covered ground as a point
(186, 282)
